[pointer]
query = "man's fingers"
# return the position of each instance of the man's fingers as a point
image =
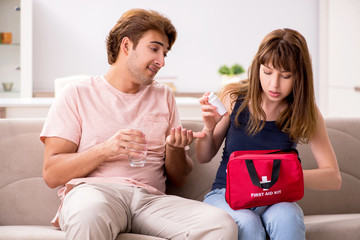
(172, 136)
(199, 134)
(178, 136)
(183, 138)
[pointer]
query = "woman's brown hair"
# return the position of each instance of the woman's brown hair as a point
(285, 49)
(133, 24)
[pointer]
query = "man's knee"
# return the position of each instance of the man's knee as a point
(90, 222)
(224, 226)
(231, 229)
(83, 216)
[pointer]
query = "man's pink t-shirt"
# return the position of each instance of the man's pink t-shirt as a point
(90, 111)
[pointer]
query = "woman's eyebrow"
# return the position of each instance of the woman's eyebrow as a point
(271, 68)
(267, 66)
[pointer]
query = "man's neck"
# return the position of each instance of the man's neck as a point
(120, 79)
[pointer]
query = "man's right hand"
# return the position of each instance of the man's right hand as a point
(62, 162)
(123, 142)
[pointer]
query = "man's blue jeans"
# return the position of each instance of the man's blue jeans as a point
(281, 221)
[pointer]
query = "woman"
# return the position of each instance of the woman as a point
(273, 109)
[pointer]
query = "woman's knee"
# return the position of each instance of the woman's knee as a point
(285, 219)
(286, 212)
(249, 224)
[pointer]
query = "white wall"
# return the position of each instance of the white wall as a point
(342, 58)
(69, 35)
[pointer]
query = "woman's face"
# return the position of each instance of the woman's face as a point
(277, 84)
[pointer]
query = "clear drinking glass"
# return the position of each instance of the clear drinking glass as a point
(140, 159)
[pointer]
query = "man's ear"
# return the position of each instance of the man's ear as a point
(126, 44)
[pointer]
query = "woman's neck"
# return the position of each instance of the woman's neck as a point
(272, 109)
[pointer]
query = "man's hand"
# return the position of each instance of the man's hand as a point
(177, 164)
(180, 138)
(125, 141)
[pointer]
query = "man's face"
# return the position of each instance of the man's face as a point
(148, 57)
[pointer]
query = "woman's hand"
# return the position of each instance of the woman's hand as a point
(215, 128)
(209, 114)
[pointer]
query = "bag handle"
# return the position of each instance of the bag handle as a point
(254, 178)
(288, 150)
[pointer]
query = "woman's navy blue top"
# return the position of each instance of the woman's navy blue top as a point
(270, 137)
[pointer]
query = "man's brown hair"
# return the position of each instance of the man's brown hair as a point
(133, 24)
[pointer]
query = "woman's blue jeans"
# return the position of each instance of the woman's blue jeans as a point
(281, 221)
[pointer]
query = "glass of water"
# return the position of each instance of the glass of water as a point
(140, 158)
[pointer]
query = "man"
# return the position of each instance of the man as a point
(89, 134)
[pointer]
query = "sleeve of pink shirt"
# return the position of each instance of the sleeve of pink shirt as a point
(63, 119)
(174, 113)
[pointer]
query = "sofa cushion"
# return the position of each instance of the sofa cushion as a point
(50, 233)
(333, 227)
(31, 233)
(28, 201)
(24, 196)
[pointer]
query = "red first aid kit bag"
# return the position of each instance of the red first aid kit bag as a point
(263, 177)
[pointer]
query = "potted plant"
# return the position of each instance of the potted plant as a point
(231, 74)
